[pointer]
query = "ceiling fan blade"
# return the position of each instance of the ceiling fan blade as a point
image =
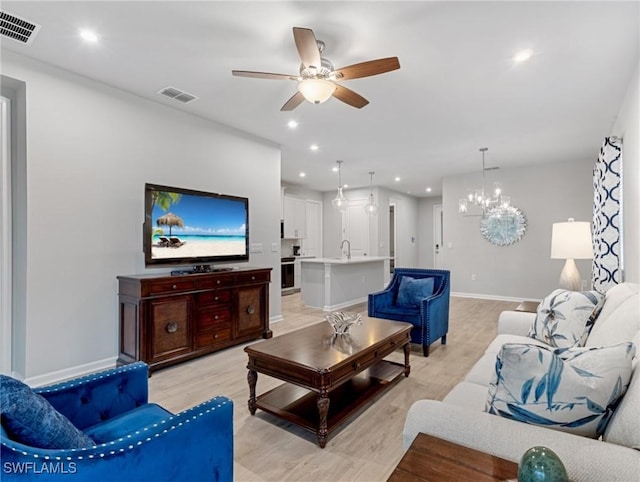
(307, 47)
(263, 75)
(350, 97)
(293, 102)
(366, 69)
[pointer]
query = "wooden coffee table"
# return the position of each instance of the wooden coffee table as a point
(430, 458)
(328, 377)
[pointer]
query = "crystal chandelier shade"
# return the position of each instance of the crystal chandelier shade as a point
(340, 203)
(482, 198)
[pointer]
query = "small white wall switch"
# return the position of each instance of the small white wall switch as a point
(449, 245)
(473, 277)
(256, 247)
(274, 247)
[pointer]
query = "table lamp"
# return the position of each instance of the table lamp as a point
(571, 240)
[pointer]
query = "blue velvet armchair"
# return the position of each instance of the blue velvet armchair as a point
(133, 440)
(429, 316)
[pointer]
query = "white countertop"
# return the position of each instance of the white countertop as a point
(353, 260)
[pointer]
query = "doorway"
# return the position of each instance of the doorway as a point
(438, 238)
(5, 237)
(392, 237)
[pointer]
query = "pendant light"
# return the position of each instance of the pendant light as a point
(340, 203)
(371, 208)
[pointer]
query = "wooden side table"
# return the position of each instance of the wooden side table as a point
(528, 306)
(432, 459)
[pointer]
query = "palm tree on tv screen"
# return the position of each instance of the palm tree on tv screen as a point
(164, 200)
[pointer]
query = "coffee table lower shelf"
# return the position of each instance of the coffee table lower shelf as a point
(299, 405)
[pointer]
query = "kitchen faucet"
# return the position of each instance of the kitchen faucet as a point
(348, 247)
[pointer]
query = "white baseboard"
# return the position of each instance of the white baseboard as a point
(346, 304)
(275, 319)
(484, 296)
(72, 372)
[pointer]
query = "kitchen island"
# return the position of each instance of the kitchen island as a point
(335, 283)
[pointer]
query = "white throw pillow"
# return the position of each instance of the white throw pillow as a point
(565, 318)
(574, 390)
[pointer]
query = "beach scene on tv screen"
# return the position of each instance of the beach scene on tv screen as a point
(193, 226)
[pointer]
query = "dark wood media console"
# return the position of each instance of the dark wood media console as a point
(167, 319)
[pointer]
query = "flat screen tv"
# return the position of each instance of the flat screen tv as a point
(183, 226)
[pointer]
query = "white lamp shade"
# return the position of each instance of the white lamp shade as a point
(571, 240)
(316, 90)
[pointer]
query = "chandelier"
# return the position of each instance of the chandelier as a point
(371, 208)
(485, 200)
(340, 203)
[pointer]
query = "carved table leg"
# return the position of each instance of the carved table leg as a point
(252, 378)
(323, 410)
(407, 366)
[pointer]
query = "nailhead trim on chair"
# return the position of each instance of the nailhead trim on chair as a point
(148, 439)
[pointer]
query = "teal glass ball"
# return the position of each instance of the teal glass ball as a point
(541, 464)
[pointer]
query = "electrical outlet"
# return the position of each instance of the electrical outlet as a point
(256, 247)
(274, 247)
(473, 277)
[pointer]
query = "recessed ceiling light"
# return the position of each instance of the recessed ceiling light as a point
(292, 124)
(334, 169)
(397, 179)
(302, 174)
(345, 186)
(428, 189)
(314, 147)
(89, 36)
(523, 56)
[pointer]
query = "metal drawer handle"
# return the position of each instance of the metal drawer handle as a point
(253, 278)
(355, 365)
(215, 336)
(172, 327)
(218, 281)
(251, 309)
(215, 317)
(173, 287)
(215, 298)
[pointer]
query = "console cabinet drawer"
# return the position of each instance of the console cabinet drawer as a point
(217, 297)
(165, 320)
(212, 337)
(171, 286)
(209, 318)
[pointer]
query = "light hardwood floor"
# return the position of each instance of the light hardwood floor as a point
(370, 445)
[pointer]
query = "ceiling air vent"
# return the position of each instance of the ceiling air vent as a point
(177, 94)
(17, 28)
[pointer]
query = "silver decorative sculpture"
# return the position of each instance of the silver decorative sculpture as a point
(342, 321)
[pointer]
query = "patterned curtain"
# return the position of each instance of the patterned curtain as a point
(606, 269)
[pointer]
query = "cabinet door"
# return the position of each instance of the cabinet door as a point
(251, 314)
(170, 327)
(295, 218)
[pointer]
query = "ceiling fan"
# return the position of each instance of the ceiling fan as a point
(318, 80)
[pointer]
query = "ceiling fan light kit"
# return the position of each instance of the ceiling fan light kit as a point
(316, 91)
(317, 80)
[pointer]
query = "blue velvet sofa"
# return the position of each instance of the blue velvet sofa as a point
(133, 439)
(429, 316)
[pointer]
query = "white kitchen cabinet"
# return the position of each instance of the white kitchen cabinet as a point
(295, 217)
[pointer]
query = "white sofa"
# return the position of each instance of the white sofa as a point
(461, 418)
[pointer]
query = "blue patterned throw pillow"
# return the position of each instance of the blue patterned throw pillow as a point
(574, 390)
(565, 318)
(414, 290)
(31, 420)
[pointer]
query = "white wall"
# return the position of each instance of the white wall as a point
(546, 193)
(90, 149)
(627, 127)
